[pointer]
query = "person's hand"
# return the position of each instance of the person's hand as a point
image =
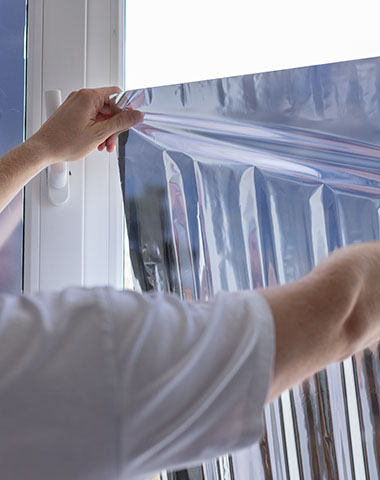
(355, 270)
(85, 121)
(326, 316)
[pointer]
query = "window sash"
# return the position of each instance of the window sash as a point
(81, 242)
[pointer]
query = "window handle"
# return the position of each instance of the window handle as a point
(58, 186)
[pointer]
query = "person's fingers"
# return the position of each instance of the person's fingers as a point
(103, 95)
(101, 146)
(107, 91)
(119, 123)
(96, 98)
(100, 117)
(106, 110)
(70, 96)
(110, 148)
(111, 143)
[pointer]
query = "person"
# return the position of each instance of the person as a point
(105, 384)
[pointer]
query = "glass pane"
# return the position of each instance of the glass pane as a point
(171, 42)
(250, 181)
(12, 35)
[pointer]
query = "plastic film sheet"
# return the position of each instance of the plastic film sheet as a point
(250, 181)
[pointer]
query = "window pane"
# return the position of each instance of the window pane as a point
(250, 181)
(169, 42)
(12, 27)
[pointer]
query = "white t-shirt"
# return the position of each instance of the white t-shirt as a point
(101, 384)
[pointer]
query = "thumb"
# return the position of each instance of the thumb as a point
(120, 122)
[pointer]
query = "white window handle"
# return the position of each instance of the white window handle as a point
(58, 186)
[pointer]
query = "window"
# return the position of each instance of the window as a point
(12, 27)
(59, 241)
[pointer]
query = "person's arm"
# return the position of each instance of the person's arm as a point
(85, 121)
(326, 316)
(17, 167)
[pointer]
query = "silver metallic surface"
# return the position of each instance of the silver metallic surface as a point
(250, 181)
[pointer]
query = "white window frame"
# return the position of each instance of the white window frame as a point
(74, 44)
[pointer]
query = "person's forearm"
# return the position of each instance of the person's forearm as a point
(314, 320)
(18, 167)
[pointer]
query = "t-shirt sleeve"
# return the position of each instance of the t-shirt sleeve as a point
(194, 376)
(105, 384)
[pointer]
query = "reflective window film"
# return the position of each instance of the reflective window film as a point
(12, 27)
(250, 181)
